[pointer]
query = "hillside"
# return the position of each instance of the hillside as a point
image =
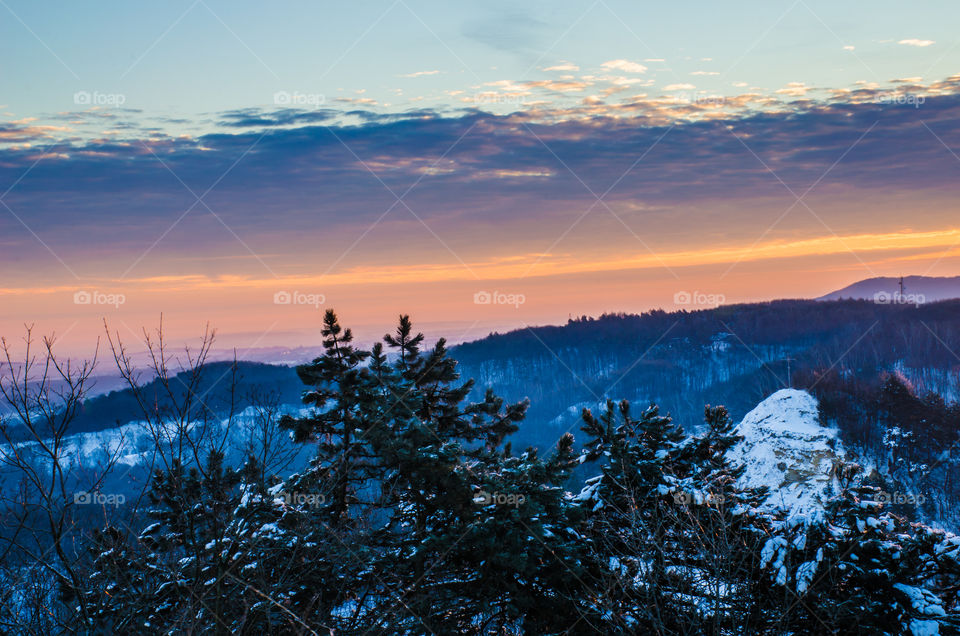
(254, 383)
(734, 355)
(886, 377)
(711, 515)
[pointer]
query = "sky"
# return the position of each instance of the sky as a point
(480, 166)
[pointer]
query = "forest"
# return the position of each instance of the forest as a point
(416, 510)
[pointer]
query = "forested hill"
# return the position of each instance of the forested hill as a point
(887, 376)
(734, 355)
(219, 384)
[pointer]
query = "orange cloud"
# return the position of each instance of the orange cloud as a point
(539, 265)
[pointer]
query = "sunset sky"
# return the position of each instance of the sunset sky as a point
(213, 160)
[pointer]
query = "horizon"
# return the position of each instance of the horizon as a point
(311, 343)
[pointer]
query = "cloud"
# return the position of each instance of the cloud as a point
(625, 65)
(562, 86)
(420, 74)
(679, 87)
(283, 181)
(17, 132)
(849, 47)
(916, 42)
(794, 89)
(299, 187)
(366, 101)
(514, 93)
(563, 66)
(259, 118)
(704, 73)
(522, 266)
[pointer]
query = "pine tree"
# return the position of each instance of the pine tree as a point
(339, 422)
(479, 540)
(719, 534)
(861, 569)
(425, 553)
(629, 506)
(667, 516)
(176, 574)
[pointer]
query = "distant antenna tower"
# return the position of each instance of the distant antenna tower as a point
(789, 375)
(901, 288)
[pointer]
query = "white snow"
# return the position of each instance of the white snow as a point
(923, 601)
(920, 627)
(786, 449)
(806, 571)
(773, 554)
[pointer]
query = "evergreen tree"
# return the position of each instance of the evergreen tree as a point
(718, 533)
(629, 506)
(177, 574)
(860, 569)
(479, 541)
(666, 515)
(339, 423)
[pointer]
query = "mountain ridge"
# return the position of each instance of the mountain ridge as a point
(886, 289)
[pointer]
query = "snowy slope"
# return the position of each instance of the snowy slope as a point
(133, 443)
(785, 447)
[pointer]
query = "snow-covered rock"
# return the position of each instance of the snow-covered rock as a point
(785, 448)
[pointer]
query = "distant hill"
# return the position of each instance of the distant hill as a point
(915, 288)
(255, 382)
(885, 375)
(735, 355)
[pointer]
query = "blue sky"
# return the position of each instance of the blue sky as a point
(189, 59)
